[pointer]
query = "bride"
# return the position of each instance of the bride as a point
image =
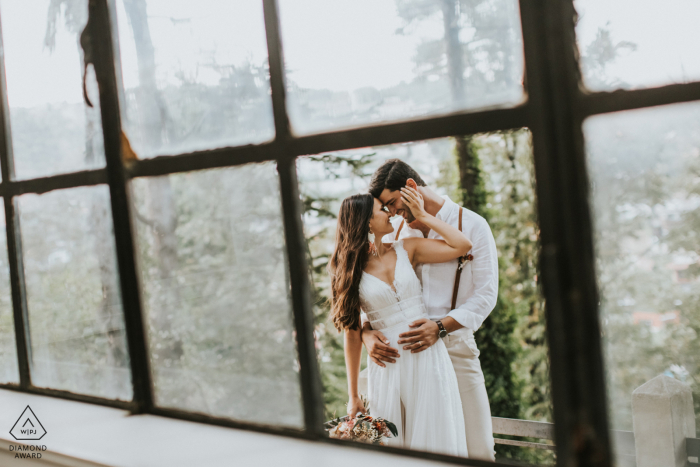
(419, 392)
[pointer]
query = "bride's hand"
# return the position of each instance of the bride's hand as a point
(413, 200)
(355, 405)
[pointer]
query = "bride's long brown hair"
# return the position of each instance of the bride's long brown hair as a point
(349, 259)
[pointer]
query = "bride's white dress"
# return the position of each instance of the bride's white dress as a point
(419, 392)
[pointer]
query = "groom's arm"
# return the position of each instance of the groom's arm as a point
(472, 313)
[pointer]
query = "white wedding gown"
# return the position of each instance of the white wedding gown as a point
(419, 392)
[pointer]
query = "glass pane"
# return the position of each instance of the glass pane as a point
(53, 131)
(195, 74)
(355, 62)
(625, 44)
(514, 351)
(75, 312)
(645, 170)
(213, 269)
(9, 372)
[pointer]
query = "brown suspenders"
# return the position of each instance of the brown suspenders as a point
(399, 231)
(459, 261)
(459, 268)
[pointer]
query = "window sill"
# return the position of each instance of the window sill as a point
(86, 435)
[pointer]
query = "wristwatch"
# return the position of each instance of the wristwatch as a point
(442, 332)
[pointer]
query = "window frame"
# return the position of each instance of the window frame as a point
(556, 106)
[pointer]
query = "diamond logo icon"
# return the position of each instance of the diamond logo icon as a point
(28, 427)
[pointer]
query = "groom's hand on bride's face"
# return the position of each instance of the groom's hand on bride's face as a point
(423, 336)
(378, 348)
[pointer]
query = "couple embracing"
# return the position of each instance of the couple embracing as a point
(414, 291)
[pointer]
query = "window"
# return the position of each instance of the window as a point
(616, 46)
(7, 328)
(76, 319)
(43, 75)
(517, 376)
(215, 293)
(154, 238)
(392, 60)
(194, 75)
(643, 166)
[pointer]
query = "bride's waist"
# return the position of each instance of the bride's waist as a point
(397, 313)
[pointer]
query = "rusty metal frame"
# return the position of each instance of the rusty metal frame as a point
(556, 106)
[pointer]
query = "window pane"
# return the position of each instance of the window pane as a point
(514, 351)
(627, 45)
(195, 74)
(352, 63)
(9, 372)
(75, 312)
(53, 131)
(645, 171)
(213, 269)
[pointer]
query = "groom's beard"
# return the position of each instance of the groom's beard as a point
(409, 215)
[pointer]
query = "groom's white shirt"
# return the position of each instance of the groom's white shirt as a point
(478, 286)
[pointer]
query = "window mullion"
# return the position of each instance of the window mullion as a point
(54, 182)
(99, 28)
(14, 242)
(375, 135)
(567, 262)
(603, 102)
(276, 63)
(19, 295)
(310, 376)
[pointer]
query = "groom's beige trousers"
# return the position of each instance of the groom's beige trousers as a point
(472, 390)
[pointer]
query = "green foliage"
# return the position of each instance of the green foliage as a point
(472, 184)
(497, 181)
(645, 172)
(644, 168)
(499, 350)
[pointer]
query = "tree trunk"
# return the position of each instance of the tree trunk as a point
(467, 159)
(453, 50)
(471, 183)
(111, 323)
(161, 202)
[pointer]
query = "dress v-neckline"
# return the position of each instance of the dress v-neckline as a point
(391, 286)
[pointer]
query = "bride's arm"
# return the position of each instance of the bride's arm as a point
(423, 250)
(353, 354)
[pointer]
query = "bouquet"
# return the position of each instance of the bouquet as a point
(363, 427)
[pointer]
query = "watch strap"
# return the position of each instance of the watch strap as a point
(442, 332)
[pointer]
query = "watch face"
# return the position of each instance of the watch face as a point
(443, 333)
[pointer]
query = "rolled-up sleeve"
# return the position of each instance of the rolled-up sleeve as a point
(472, 313)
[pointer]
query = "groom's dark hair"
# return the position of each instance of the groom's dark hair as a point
(392, 175)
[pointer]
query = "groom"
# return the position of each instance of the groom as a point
(457, 303)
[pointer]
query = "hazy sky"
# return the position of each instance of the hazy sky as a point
(665, 32)
(343, 44)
